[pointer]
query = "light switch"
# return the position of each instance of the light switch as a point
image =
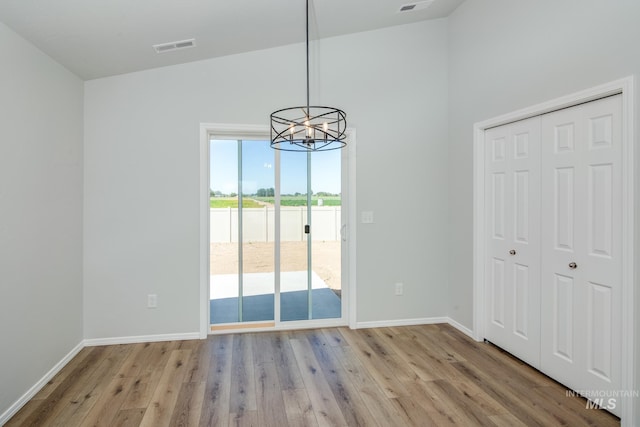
(367, 217)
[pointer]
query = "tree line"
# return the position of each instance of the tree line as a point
(269, 192)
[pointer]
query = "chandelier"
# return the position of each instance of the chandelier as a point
(308, 128)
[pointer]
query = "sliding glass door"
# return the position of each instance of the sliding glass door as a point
(241, 232)
(275, 244)
(310, 244)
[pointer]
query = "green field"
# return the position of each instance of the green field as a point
(232, 202)
(302, 200)
(247, 202)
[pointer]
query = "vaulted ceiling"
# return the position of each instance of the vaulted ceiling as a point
(98, 38)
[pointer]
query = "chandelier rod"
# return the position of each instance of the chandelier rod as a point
(308, 109)
(323, 130)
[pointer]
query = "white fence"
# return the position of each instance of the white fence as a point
(258, 224)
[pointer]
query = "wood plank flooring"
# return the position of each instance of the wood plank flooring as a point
(402, 376)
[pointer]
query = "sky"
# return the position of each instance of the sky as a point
(258, 166)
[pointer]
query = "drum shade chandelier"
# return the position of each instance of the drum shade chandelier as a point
(308, 128)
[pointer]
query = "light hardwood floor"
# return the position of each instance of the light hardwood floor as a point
(403, 376)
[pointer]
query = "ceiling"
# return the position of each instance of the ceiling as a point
(99, 38)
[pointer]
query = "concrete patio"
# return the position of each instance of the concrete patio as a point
(258, 298)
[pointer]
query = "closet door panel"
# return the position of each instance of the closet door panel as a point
(581, 245)
(563, 227)
(513, 264)
(562, 325)
(497, 224)
(603, 249)
(522, 206)
(521, 300)
(497, 293)
(563, 206)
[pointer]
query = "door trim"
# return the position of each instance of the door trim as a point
(625, 87)
(260, 132)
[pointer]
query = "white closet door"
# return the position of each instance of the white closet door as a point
(513, 224)
(581, 245)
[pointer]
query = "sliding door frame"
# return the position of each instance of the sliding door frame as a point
(348, 306)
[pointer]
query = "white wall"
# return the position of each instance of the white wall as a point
(505, 55)
(393, 85)
(412, 92)
(40, 214)
(141, 171)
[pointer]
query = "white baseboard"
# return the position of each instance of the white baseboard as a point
(460, 327)
(13, 409)
(413, 322)
(92, 342)
(401, 322)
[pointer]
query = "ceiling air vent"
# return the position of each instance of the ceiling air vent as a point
(409, 7)
(167, 47)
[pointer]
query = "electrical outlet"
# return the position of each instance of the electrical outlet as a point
(152, 301)
(399, 289)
